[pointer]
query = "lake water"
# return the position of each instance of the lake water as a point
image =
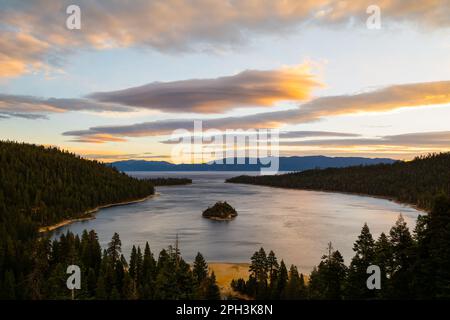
(295, 224)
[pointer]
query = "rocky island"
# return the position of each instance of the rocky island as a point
(220, 211)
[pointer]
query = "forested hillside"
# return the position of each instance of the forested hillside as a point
(415, 182)
(41, 186)
(49, 185)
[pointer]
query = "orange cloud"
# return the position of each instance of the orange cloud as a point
(177, 25)
(99, 138)
(250, 88)
(381, 100)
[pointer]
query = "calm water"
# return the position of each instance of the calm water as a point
(296, 224)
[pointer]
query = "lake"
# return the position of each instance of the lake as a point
(295, 224)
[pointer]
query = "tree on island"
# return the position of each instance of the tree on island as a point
(220, 211)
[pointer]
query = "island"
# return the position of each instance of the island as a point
(220, 211)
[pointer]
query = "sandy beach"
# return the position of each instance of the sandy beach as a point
(89, 214)
(225, 272)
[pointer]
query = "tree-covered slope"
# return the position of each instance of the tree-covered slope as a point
(415, 182)
(49, 185)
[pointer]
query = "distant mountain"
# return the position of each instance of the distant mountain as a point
(286, 164)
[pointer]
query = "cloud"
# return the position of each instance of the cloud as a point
(29, 116)
(308, 134)
(437, 139)
(29, 106)
(123, 156)
(282, 135)
(20, 52)
(250, 88)
(384, 99)
(98, 138)
(178, 25)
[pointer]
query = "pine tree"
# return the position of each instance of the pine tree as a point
(212, 292)
(259, 271)
(431, 275)
(328, 279)
(293, 291)
(439, 226)
(148, 273)
(133, 263)
(272, 267)
(402, 246)
(200, 269)
(282, 280)
(384, 259)
(115, 248)
(100, 291)
(364, 248)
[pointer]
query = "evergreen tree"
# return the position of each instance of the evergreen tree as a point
(364, 248)
(148, 273)
(431, 275)
(295, 288)
(282, 280)
(402, 246)
(212, 292)
(259, 271)
(327, 281)
(200, 269)
(384, 259)
(114, 248)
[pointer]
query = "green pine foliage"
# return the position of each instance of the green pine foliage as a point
(40, 186)
(415, 182)
(413, 266)
(160, 182)
(49, 185)
(108, 276)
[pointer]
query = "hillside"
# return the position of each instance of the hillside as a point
(48, 185)
(415, 182)
(286, 164)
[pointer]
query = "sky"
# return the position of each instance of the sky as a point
(332, 82)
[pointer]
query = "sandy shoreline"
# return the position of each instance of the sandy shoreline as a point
(89, 214)
(227, 271)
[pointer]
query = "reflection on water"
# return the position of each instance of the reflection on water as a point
(296, 224)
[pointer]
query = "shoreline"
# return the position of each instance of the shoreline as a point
(227, 271)
(89, 214)
(411, 205)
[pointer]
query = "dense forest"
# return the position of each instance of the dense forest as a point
(49, 185)
(40, 186)
(160, 182)
(107, 275)
(415, 182)
(412, 266)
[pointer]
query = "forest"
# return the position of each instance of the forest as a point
(160, 182)
(413, 265)
(415, 182)
(107, 275)
(40, 186)
(49, 185)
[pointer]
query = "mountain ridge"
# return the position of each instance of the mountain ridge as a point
(293, 163)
